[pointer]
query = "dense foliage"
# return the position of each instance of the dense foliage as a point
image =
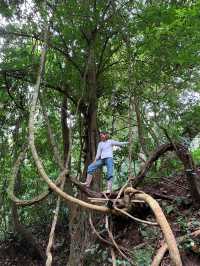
(128, 67)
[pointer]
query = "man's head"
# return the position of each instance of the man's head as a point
(104, 135)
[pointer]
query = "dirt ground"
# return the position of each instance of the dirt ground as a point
(173, 195)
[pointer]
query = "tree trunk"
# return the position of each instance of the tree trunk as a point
(140, 126)
(65, 129)
(81, 237)
(90, 113)
(75, 245)
(34, 249)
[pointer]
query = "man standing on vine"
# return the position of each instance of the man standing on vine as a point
(104, 156)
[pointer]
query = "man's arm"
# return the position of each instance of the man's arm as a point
(98, 154)
(118, 143)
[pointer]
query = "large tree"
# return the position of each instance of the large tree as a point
(102, 57)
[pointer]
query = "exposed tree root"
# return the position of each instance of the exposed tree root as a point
(129, 193)
(134, 218)
(120, 192)
(51, 235)
(114, 242)
(185, 157)
(34, 247)
(162, 221)
(10, 189)
(103, 240)
(39, 164)
(18, 163)
(163, 249)
(37, 159)
(113, 257)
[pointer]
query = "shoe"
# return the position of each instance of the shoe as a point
(87, 182)
(109, 187)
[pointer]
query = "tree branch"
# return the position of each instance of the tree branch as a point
(37, 37)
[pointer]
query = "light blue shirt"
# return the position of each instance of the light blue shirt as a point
(105, 148)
